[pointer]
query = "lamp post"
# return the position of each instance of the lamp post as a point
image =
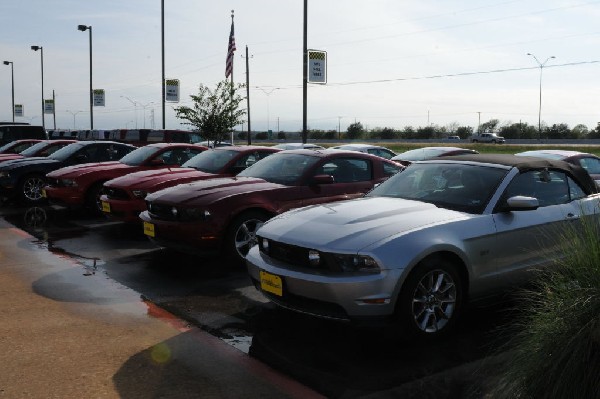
(83, 28)
(144, 106)
(268, 93)
(36, 48)
(135, 104)
(12, 75)
(541, 65)
(73, 113)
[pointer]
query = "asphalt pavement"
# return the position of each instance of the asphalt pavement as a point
(67, 332)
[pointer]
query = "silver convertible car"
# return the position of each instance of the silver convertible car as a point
(425, 242)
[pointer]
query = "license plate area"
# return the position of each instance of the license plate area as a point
(149, 229)
(271, 283)
(105, 207)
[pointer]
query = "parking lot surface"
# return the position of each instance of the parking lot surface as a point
(96, 304)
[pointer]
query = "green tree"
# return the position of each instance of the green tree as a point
(464, 132)
(489, 126)
(579, 131)
(558, 131)
(355, 131)
(215, 112)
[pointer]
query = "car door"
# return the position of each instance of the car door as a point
(532, 239)
(352, 178)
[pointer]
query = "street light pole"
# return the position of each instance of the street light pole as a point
(83, 28)
(541, 65)
(135, 104)
(73, 113)
(36, 48)
(12, 75)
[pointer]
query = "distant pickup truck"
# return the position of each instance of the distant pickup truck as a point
(487, 138)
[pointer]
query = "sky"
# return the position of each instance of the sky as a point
(390, 63)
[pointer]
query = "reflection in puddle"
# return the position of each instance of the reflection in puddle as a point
(35, 217)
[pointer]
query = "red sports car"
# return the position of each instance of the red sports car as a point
(79, 185)
(40, 148)
(123, 197)
(222, 215)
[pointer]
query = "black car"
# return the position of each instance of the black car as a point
(23, 179)
(14, 132)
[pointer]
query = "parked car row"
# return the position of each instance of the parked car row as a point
(336, 233)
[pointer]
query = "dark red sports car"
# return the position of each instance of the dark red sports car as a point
(124, 197)
(15, 147)
(78, 185)
(38, 148)
(222, 215)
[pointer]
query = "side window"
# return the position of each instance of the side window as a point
(592, 165)
(247, 160)
(549, 187)
(119, 151)
(575, 190)
(390, 169)
(347, 170)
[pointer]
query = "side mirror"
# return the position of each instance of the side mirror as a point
(521, 203)
(157, 162)
(322, 179)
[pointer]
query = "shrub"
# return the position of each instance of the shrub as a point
(556, 350)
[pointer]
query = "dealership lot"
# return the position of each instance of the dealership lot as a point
(332, 358)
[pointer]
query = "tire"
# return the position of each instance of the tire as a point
(241, 235)
(92, 198)
(30, 188)
(493, 141)
(431, 299)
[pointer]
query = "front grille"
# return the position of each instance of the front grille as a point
(298, 256)
(116, 193)
(161, 211)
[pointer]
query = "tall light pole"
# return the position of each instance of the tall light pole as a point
(541, 65)
(135, 104)
(268, 93)
(36, 48)
(83, 28)
(144, 106)
(73, 113)
(12, 75)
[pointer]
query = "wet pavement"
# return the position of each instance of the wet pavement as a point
(334, 359)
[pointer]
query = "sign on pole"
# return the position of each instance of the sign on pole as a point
(49, 106)
(19, 110)
(172, 90)
(98, 97)
(317, 66)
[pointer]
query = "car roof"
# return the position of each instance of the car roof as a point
(525, 163)
(564, 153)
(359, 145)
(244, 148)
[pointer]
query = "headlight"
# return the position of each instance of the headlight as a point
(191, 213)
(4, 174)
(68, 183)
(139, 194)
(356, 263)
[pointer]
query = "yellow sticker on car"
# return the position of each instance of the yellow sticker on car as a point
(271, 283)
(105, 207)
(149, 229)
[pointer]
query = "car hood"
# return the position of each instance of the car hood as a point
(22, 162)
(349, 226)
(205, 192)
(153, 180)
(83, 169)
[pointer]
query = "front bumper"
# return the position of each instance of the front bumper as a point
(339, 296)
(65, 196)
(123, 210)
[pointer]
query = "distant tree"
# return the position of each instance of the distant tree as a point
(242, 135)
(452, 127)
(261, 136)
(330, 134)
(489, 126)
(427, 132)
(215, 112)
(579, 131)
(558, 131)
(281, 135)
(516, 130)
(409, 132)
(355, 131)
(464, 132)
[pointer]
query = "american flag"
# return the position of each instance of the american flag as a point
(230, 50)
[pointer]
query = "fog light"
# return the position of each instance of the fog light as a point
(265, 245)
(174, 211)
(314, 258)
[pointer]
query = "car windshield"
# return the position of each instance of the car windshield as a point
(6, 146)
(139, 155)
(66, 152)
(211, 161)
(282, 168)
(456, 186)
(420, 154)
(34, 148)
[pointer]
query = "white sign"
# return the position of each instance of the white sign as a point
(48, 106)
(19, 110)
(317, 66)
(172, 90)
(98, 97)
